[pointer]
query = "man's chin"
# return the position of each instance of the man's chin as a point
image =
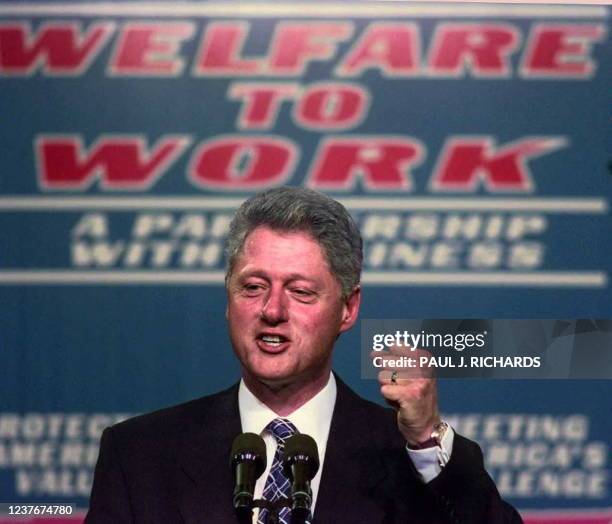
(276, 380)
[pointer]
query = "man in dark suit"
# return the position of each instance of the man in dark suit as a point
(294, 265)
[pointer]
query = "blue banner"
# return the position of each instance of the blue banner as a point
(469, 141)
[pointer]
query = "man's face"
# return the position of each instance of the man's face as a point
(285, 308)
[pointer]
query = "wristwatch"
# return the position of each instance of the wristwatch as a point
(439, 430)
(435, 441)
(435, 438)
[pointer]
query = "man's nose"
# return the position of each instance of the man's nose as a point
(274, 309)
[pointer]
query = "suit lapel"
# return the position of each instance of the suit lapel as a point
(205, 481)
(351, 470)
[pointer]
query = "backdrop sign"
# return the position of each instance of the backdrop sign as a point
(469, 141)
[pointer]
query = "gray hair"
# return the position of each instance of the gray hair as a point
(302, 209)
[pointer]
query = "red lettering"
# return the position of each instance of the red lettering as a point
(219, 53)
(260, 102)
(332, 106)
(119, 162)
(296, 44)
(59, 48)
(238, 162)
(392, 48)
(150, 49)
(561, 50)
(465, 162)
(382, 162)
(481, 48)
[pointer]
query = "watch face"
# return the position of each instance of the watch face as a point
(439, 431)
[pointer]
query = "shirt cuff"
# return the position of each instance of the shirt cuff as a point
(427, 461)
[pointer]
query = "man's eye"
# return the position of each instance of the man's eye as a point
(252, 288)
(303, 294)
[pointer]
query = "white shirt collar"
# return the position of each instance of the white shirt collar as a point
(313, 418)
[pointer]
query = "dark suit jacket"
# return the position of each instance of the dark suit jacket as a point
(173, 466)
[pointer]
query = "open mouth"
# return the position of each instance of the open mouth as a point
(272, 343)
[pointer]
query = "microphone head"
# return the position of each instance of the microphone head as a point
(249, 447)
(301, 448)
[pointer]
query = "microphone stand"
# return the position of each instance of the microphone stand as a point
(275, 507)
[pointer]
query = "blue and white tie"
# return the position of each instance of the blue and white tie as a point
(277, 484)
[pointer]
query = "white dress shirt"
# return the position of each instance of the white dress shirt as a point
(314, 419)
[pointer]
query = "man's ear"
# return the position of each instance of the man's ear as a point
(351, 309)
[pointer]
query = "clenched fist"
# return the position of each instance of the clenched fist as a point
(411, 391)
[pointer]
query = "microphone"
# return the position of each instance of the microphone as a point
(300, 464)
(248, 462)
